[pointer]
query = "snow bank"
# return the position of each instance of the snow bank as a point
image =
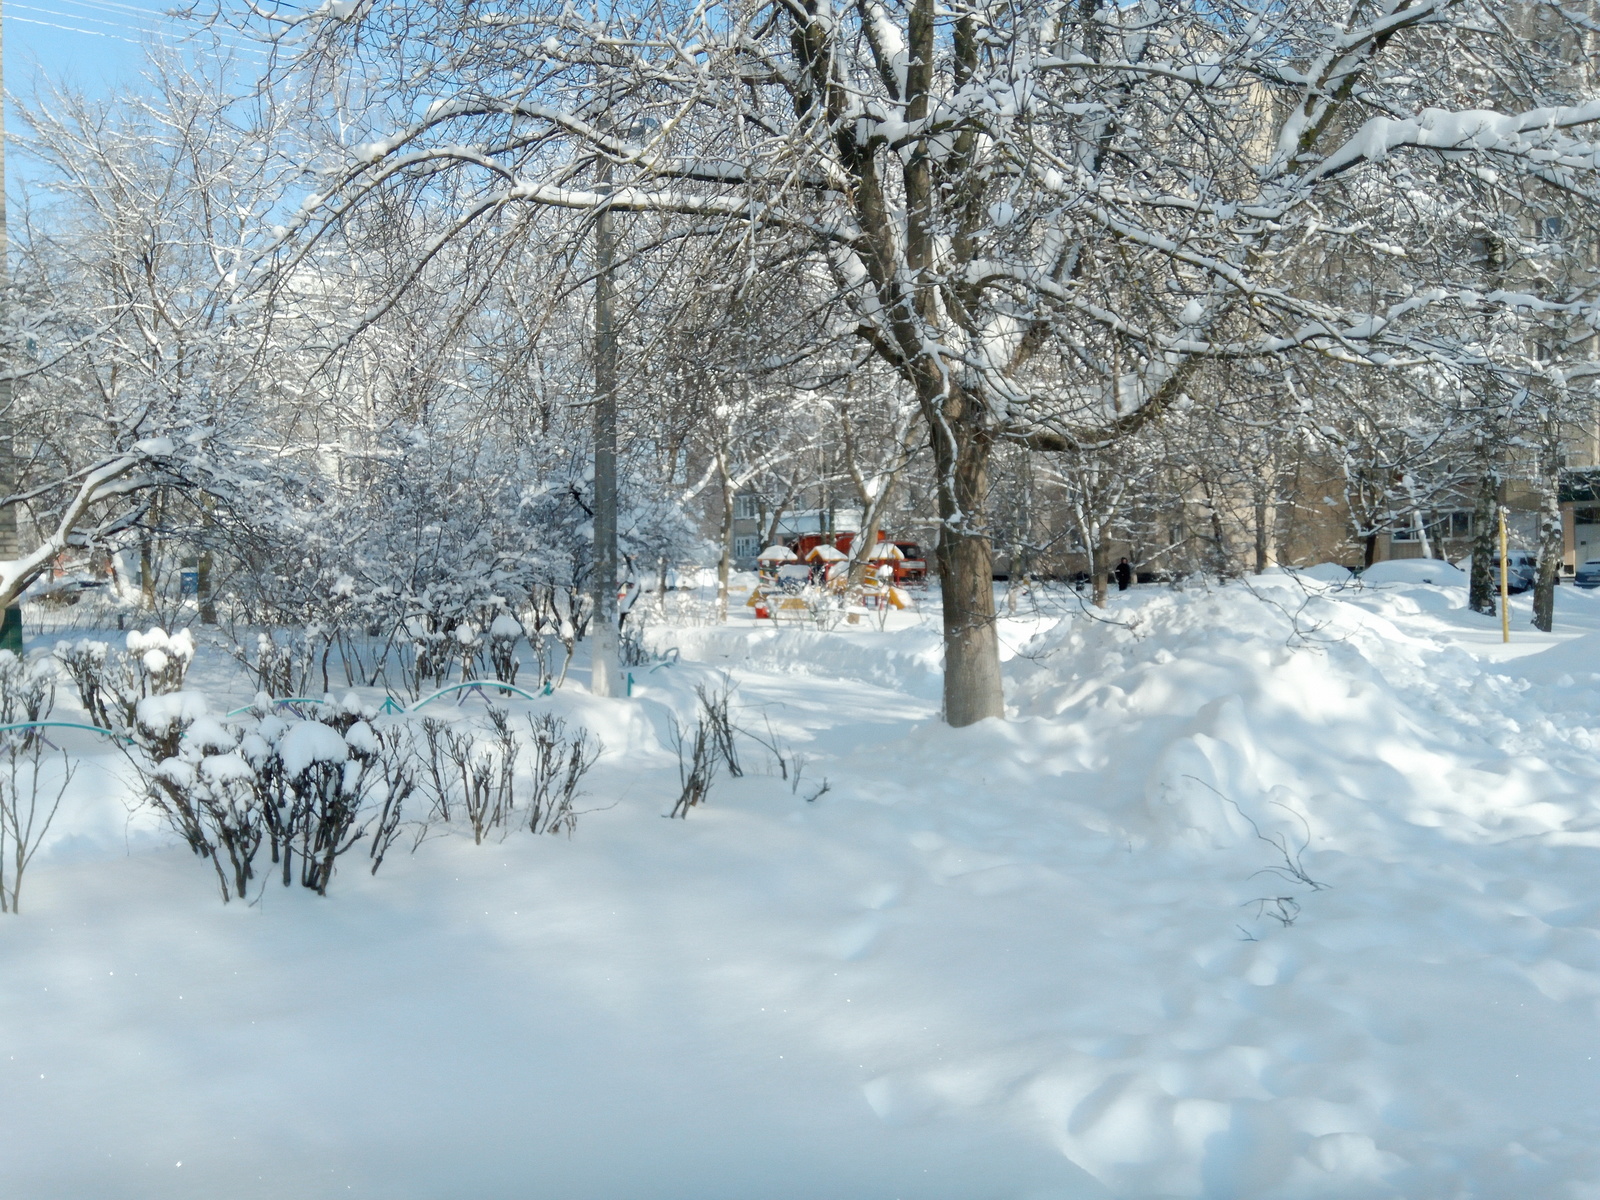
(1415, 570)
(1321, 572)
(907, 659)
(1276, 891)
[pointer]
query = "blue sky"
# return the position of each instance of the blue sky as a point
(93, 44)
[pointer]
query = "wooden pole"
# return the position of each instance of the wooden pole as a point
(1505, 583)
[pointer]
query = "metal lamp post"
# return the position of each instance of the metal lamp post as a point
(11, 623)
(605, 672)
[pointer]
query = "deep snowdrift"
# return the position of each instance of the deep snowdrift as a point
(1044, 958)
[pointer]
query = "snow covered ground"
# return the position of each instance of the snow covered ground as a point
(1038, 959)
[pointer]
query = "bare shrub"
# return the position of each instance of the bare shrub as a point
(475, 772)
(474, 776)
(631, 650)
(488, 769)
(207, 792)
(715, 719)
(309, 791)
(697, 770)
(284, 664)
(438, 765)
(714, 745)
(558, 763)
(425, 651)
(1290, 867)
(26, 811)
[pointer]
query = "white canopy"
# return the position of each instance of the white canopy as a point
(776, 554)
(825, 553)
(885, 550)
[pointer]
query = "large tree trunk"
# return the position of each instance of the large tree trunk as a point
(1552, 541)
(1099, 572)
(966, 574)
(1480, 590)
(1267, 517)
(147, 571)
(725, 538)
(205, 597)
(203, 594)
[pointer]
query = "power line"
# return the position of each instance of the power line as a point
(72, 29)
(144, 21)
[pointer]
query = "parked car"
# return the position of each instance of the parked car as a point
(1588, 574)
(1522, 570)
(65, 592)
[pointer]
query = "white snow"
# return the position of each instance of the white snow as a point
(1415, 570)
(1026, 959)
(207, 735)
(161, 713)
(362, 739)
(1321, 572)
(309, 742)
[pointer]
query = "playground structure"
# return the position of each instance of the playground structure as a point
(909, 563)
(812, 582)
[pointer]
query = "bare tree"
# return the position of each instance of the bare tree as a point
(1044, 218)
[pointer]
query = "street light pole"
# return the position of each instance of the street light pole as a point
(10, 548)
(604, 672)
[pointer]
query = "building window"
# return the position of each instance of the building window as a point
(746, 506)
(1549, 228)
(746, 546)
(1439, 526)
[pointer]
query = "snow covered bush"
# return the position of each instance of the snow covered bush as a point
(200, 784)
(27, 693)
(505, 631)
(284, 660)
(309, 790)
(111, 683)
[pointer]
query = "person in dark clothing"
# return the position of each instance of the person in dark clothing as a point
(1124, 574)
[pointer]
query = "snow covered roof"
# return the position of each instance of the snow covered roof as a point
(886, 550)
(776, 554)
(825, 553)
